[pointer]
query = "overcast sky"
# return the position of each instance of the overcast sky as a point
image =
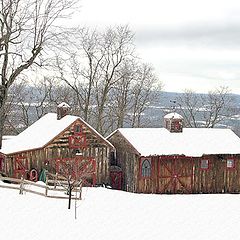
(192, 44)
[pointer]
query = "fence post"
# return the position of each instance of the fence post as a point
(46, 189)
(55, 182)
(21, 185)
(80, 191)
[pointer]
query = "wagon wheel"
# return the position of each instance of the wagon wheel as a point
(33, 176)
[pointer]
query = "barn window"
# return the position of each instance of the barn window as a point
(230, 163)
(204, 164)
(77, 129)
(146, 168)
(78, 152)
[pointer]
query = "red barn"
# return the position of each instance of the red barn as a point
(176, 159)
(54, 141)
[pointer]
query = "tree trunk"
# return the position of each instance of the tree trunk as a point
(69, 196)
(1, 126)
(3, 97)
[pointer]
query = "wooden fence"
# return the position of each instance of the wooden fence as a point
(51, 186)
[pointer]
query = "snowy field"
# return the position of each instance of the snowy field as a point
(106, 214)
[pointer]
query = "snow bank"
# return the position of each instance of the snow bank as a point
(105, 214)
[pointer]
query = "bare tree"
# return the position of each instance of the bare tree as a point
(132, 94)
(76, 173)
(200, 110)
(219, 105)
(190, 106)
(120, 97)
(95, 68)
(101, 78)
(142, 92)
(26, 28)
(80, 68)
(117, 48)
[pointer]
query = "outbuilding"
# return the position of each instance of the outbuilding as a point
(176, 159)
(56, 142)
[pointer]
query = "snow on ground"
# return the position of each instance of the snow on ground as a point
(106, 214)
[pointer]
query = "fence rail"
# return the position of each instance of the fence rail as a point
(23, 186)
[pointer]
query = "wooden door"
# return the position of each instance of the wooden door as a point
(20, 166)
(1, 163)
(175, 175)
(80, 167)
(116, 179)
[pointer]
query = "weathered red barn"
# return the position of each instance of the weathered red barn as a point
(55, 142)
(176, 159)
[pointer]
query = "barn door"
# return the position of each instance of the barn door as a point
(175, 175)
(78, 167)
(86, 169)
(116, 179)
(20, 166)
(1, 163)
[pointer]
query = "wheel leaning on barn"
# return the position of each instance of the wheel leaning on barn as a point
(33, 175)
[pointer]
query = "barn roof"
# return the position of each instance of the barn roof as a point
(193, 142)
(173, 115)
(41, 132)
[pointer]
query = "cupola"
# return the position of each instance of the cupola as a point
(173, 122)
(62, 110)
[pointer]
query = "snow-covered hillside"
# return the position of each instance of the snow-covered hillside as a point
(106, 214)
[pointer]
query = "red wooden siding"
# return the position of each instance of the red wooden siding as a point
(1, 163)
(78, 143)
(172, 174)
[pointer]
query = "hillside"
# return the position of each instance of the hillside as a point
(152, 116)
(106, 214)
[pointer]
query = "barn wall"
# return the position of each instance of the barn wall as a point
(2, 163)
(148, 184)
(29, 160)
(171, 174)
(127, 160)
(59, 148)
(218, 178)
(184, 175)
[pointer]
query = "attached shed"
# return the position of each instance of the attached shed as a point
(176, 159)
(55, 142)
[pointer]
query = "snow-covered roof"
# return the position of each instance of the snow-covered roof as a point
(64, 105)
(40, 133)
(193, 142)
(8, 137)
(173, 115)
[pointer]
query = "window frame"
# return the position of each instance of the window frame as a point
(208, 164)
(142, 160)
(77, 127)
(234, 163)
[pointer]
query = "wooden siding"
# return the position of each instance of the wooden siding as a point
(176, 174)
(127, 160)
(172, 174)
(59, 148)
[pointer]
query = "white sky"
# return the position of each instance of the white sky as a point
(191, 44)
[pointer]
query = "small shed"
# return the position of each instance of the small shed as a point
(54, 142)
(176, 159)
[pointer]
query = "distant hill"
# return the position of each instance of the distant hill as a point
(165, 102)
(153, 115)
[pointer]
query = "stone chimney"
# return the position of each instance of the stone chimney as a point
(62, 110)
(174, 122)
